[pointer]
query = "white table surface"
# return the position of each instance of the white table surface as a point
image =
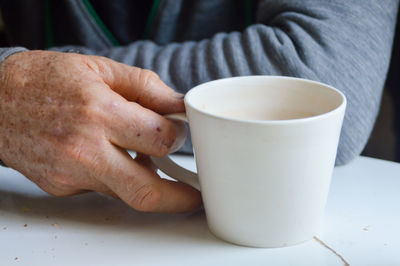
(362, 225)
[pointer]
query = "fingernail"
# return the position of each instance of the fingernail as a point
(180, 133)
(179, 95)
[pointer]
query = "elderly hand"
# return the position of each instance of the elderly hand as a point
(66, 121)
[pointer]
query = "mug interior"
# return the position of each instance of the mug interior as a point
(264, 98)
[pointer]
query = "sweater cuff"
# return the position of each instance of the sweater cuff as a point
(6, 52)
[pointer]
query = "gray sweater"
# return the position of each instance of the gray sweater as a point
(344, 43)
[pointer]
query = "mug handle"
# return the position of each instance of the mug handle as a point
(169, 167)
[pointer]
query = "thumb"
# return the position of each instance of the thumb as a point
(139, 85)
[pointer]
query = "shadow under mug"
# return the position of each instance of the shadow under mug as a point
(265, 148)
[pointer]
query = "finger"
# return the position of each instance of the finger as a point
(145, 160)
(134, 127)
(109, 192)
(144, 190)
(97, 186)
(139, 85)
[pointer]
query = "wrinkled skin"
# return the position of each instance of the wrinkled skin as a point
(66, 121)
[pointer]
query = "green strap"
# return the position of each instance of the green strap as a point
(100, 23)
(48, 25)
(150, 18)
(106, 31)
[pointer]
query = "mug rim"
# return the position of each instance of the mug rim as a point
(336, 110)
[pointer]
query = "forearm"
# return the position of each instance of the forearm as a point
(341, 43)
(345, 45)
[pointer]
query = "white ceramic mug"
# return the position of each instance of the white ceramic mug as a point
(265, 148)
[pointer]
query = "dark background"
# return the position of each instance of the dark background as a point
(384, 142)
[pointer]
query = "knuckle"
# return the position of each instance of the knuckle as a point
(71, 58)
(146, 198)
(63, 181)
(84, 108)
(90, 111)
(146, 77)
(68, 126)
(86, 155)
(59, 193)
(145, 81)
(101, 66)
(160, 150)
(98, 64)
(161, 135)
(158, 146)
(75, 152)
(163, 140)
